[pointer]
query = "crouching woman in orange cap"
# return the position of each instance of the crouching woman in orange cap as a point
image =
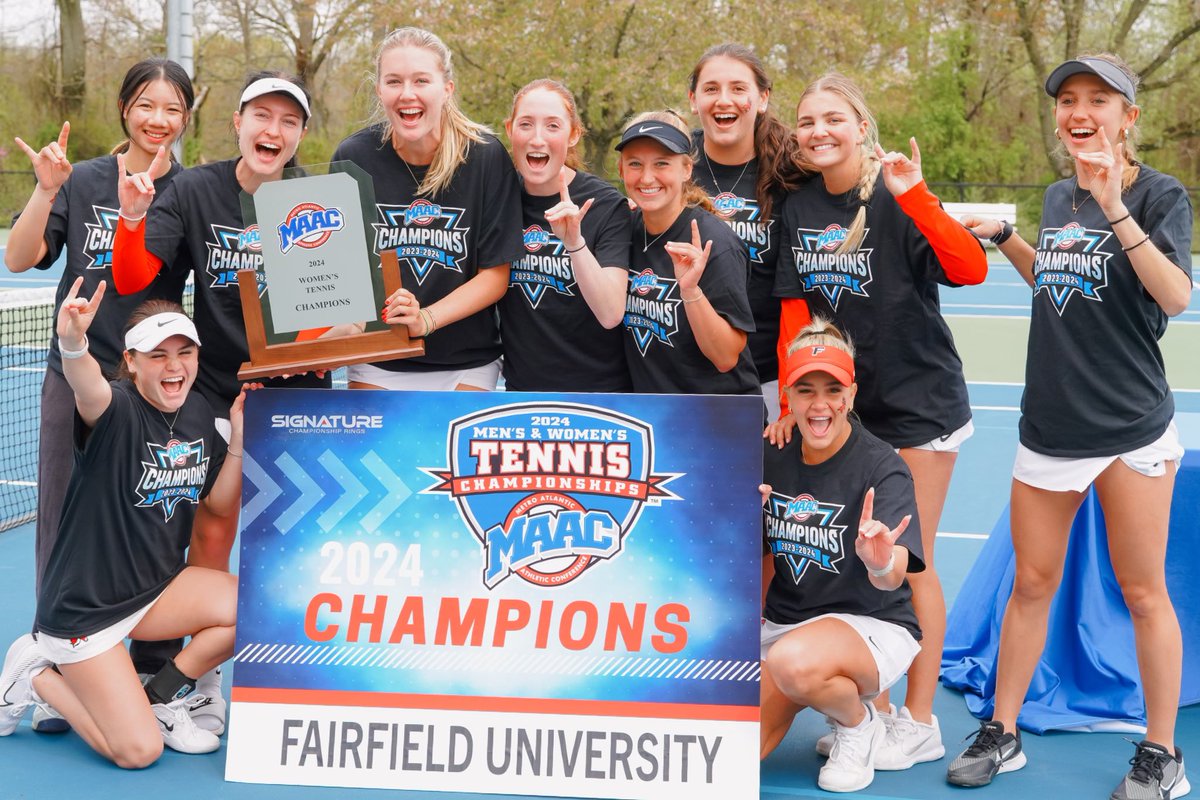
(838, 627)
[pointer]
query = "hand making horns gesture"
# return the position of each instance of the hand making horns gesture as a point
(689, 260)
(875, 540)
(900, 173)
(50, 164)
(135, 192)
(565, 217)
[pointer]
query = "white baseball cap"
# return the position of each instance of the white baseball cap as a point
(153, 331)
(276, 86)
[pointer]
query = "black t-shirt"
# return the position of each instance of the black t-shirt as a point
(810, 524)
(198, 220)
(83, 221)
(1095, 384)
(552, 340)
(661, 350)
(885, 296)
(127, 519)
(442, 241)
(733, 192)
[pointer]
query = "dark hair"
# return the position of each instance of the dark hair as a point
(776, 149)
(139, 76)
(285, 76)
(142, 313)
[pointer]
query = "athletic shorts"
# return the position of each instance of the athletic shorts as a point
(484, 377)
(950, 442)
(72, 651)
(770, 392)
(893, 647)
(1076, 474)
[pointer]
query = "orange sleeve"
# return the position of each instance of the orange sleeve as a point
(133, 266)
(310, 334)
(957, 250)
(793, 316)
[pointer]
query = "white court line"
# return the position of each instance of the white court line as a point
(986, 316)
(949, 535)
(24, 369)
(996, 408)
(985, 305)
(994, 383)
(30, 484)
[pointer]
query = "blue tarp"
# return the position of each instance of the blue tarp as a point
(1087, 677)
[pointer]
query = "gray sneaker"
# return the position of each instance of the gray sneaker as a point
(1154, 775)
(992, 752)
(16, 686)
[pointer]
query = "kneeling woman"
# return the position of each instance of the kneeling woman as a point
(148, 454)
(838, 629)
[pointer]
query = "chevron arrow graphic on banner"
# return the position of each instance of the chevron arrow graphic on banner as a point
(353, 491)
(396, 492)
(310, 493)
(268, 490)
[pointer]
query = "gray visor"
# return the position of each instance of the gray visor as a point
(1106, 71)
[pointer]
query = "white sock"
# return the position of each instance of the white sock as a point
(210, 682)
(866, 720)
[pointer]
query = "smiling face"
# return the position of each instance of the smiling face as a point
(821, 405)
(165, 375)
(1084, 105)
(654, 179)
(269, 129)
(413, 91)
(541, 135)
(728, 101)
(830, 134)
(155, 116)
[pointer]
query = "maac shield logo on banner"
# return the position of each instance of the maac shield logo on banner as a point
(549, 489)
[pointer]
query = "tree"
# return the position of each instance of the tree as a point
(73, 44)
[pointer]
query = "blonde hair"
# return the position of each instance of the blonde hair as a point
(848, 90)
(693, 195)
(1131, 168)
(821, 331)
(573, 160)
(457, 133)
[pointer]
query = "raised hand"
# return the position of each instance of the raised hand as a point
(875, 540)
(1102, 168)
(689, 260)
(135, 192)
(75, 315)
(565, 217)
(50, 164)
(900, 173)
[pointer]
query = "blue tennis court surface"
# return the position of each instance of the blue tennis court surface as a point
(989, 323)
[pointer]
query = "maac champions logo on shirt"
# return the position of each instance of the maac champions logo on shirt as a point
(231, 250)
(98, 244)
(175, 473)
(549, 489)
(1069, 261)
(822, 270)
(424, 235)
(743, 216)
(308, 225)
(804, 531)
(547, 267)
(651, 313)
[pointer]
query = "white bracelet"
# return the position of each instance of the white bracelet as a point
(72, 354)
(879, 573)
(128, 218)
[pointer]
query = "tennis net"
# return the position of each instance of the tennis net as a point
(25, 324)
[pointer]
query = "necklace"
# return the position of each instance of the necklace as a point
(170, 425)
(1078, 204)
(645, 244)
(411, 174)
(713, 175)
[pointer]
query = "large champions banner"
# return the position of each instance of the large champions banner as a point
(498, 592)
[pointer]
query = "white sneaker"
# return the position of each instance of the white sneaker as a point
(207, 711)
(851, 761)
(47, 720)
(909, 742)
(179, 732)
(825, 743)
(16, 683)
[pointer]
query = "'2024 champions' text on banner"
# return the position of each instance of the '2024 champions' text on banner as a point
(500, 592)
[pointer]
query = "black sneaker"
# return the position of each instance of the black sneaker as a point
(1154, 775)
(992, 752)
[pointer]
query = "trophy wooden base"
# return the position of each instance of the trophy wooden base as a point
(292, 358)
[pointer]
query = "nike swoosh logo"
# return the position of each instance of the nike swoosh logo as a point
(166, 726)
(944, 438)
(160, 324)
(6, 702)
(649, 128)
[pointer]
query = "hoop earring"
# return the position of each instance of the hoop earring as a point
(1125, 133)
(1056, 134)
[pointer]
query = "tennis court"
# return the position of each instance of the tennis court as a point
(990, 324)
